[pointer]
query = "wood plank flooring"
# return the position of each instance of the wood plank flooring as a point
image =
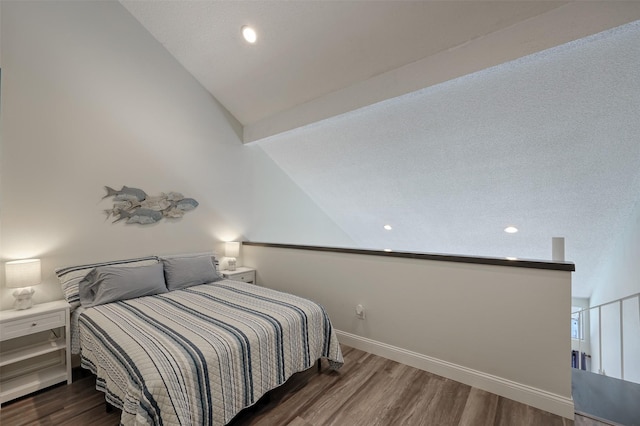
(368, 390)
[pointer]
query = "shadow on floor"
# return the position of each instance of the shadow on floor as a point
(605, 398)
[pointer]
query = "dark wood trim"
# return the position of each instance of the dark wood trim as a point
(496, 261)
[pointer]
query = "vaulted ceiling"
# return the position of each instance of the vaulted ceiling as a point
(401, 113)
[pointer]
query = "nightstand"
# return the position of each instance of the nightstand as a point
(242, 273)
(35, 351)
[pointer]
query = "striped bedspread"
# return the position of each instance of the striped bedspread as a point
(200, 355)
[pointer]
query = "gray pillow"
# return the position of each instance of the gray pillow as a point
(185, 271)
(71, 276)
(106, 284)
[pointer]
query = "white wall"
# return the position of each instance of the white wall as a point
(501, 328)
(619, 277)
(89, 99)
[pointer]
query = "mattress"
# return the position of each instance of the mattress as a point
(200, 355)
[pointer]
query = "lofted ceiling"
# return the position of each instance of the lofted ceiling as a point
(307, 49)
(399, 112)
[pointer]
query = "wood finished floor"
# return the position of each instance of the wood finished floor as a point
(368, 390)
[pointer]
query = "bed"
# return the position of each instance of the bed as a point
(193, 354)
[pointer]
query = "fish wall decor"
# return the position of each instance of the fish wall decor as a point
(136, 206)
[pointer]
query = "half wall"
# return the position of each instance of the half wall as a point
(499, 326)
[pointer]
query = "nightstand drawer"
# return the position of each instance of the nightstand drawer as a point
(247, 277)
(242, 273)
(30, 325)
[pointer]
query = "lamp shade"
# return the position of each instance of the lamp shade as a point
(23, 273)
(232, 249)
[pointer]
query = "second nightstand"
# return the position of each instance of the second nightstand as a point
(242, 273)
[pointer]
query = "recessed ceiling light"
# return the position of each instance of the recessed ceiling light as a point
(511, 258)
(249, 34)
(388, 227)
(510, 229)
(387, 250)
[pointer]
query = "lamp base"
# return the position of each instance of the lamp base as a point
(231, 265)
(23, 298)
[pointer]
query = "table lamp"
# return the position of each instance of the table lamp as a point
(232, 250)
(21, 275)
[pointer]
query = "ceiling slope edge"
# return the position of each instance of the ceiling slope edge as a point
(561, 25)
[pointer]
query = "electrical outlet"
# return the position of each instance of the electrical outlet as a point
(360, 312)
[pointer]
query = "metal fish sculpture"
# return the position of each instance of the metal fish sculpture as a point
(118, 207)
(173, 213)
(135, 206)
(174, 196)
(125, 194)
(156, 203)
(141, 216)
(186, 204)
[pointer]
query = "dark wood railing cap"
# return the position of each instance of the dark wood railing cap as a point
(497, 261)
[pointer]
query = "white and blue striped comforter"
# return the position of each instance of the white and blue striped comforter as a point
(200, 355)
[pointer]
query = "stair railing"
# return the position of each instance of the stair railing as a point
(599, 308)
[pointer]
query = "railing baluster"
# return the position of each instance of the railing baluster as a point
(621, 345)
(600, 338)
(581, 339)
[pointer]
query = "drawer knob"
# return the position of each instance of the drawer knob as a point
(34, 324)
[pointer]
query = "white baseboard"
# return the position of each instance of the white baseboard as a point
(534, 397)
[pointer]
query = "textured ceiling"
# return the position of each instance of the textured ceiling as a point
(549, 143)
(398, 112)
